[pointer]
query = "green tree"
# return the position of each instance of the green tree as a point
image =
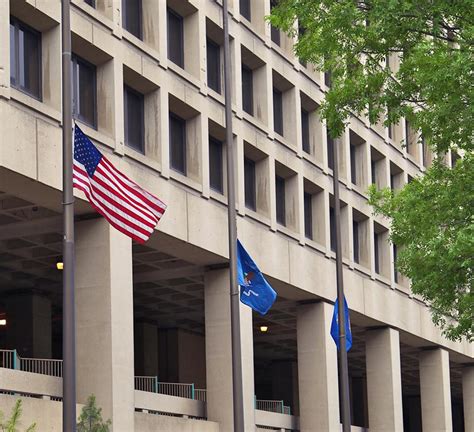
(11, 424)
(432, 87)
(91, 418)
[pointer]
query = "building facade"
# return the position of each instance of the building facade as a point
(153, 320)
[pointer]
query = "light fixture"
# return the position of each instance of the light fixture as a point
(263, 329)
(3, 322)
(59, 265)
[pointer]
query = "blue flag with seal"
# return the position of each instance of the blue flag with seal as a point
(255, 291)
(335, 325)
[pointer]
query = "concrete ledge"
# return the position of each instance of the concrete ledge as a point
(169, 404)
(276, 420)
(162, 423)
(30, 383)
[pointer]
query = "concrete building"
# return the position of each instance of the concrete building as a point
(153, 320)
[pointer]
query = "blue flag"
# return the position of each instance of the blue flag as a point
(335, 326)
(255, 291)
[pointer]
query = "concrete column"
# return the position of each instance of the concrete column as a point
(29, 321)
(435, 391)
(468, 398)
(219, 354)
(384, 385)
(104, 314)
(146, 349)
(317, 369)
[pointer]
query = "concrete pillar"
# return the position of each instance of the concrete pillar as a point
(384, 386)
(317, 369)
(146, 349)
(435, 391)
(468, 398)
(104, 314)
(219, 354)
(29, 322)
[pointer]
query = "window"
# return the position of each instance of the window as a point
(305, 131)
(213, 66)
(178, 143)
(308, 215)
(330, 149)
(353, 151)
(355, 241)
(25, 59)
(250, 186)
(175, 38)
(373, 172)
(275, 32)
(245, 9)
(277, 111)
(134, 118)
(216, 176)
(280, 200)
(332, 228)
(376, 253)
(327, 79)
(132, 17)
(301, 32)
(247, 90)
(395, 257)
(90, 3)
(84, 91)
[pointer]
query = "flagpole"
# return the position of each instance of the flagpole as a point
(69, 333)
(237, 384)
(343, 365)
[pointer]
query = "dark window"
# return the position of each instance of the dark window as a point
(132, 17)
(25, 59)
(301, 32)
(280, 200)
(178, 143)
(213, 66)
(247, 90)
(84, 91)
(373, 171)
(376, 253)
(353, 151)
(277, 111)
(395, 257)
(275, 32)
(134, 118)
(332, 228)
(90, 3)
(390, 131)
(305, 131)
(454, 158)
(216, 176)
(250, 186)
(424, 151)
(327, 79)
(330, 149)
(175, 38)
(308, 215)
(245, 9)
(355, 241)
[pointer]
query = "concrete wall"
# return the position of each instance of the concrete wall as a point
(153, 423)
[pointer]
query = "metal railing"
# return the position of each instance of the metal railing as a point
(42, 366)
(200, 395)
(146, 383)
(10, 359)
(176, 389)
(276, 406)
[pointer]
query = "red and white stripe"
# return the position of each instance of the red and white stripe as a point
(129, 208)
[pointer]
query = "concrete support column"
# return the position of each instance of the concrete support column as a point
(104, 314)
(219, 354)
(435, 391)
(29, 320)
(384, 386)
(468, 398)
(146, 349)
(317, 369)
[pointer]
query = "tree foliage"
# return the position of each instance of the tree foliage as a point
(12, 424)
(91, 418)
(429, 81)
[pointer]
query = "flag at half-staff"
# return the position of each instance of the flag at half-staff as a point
(128, 207)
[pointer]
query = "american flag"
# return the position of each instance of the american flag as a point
(129, 208)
